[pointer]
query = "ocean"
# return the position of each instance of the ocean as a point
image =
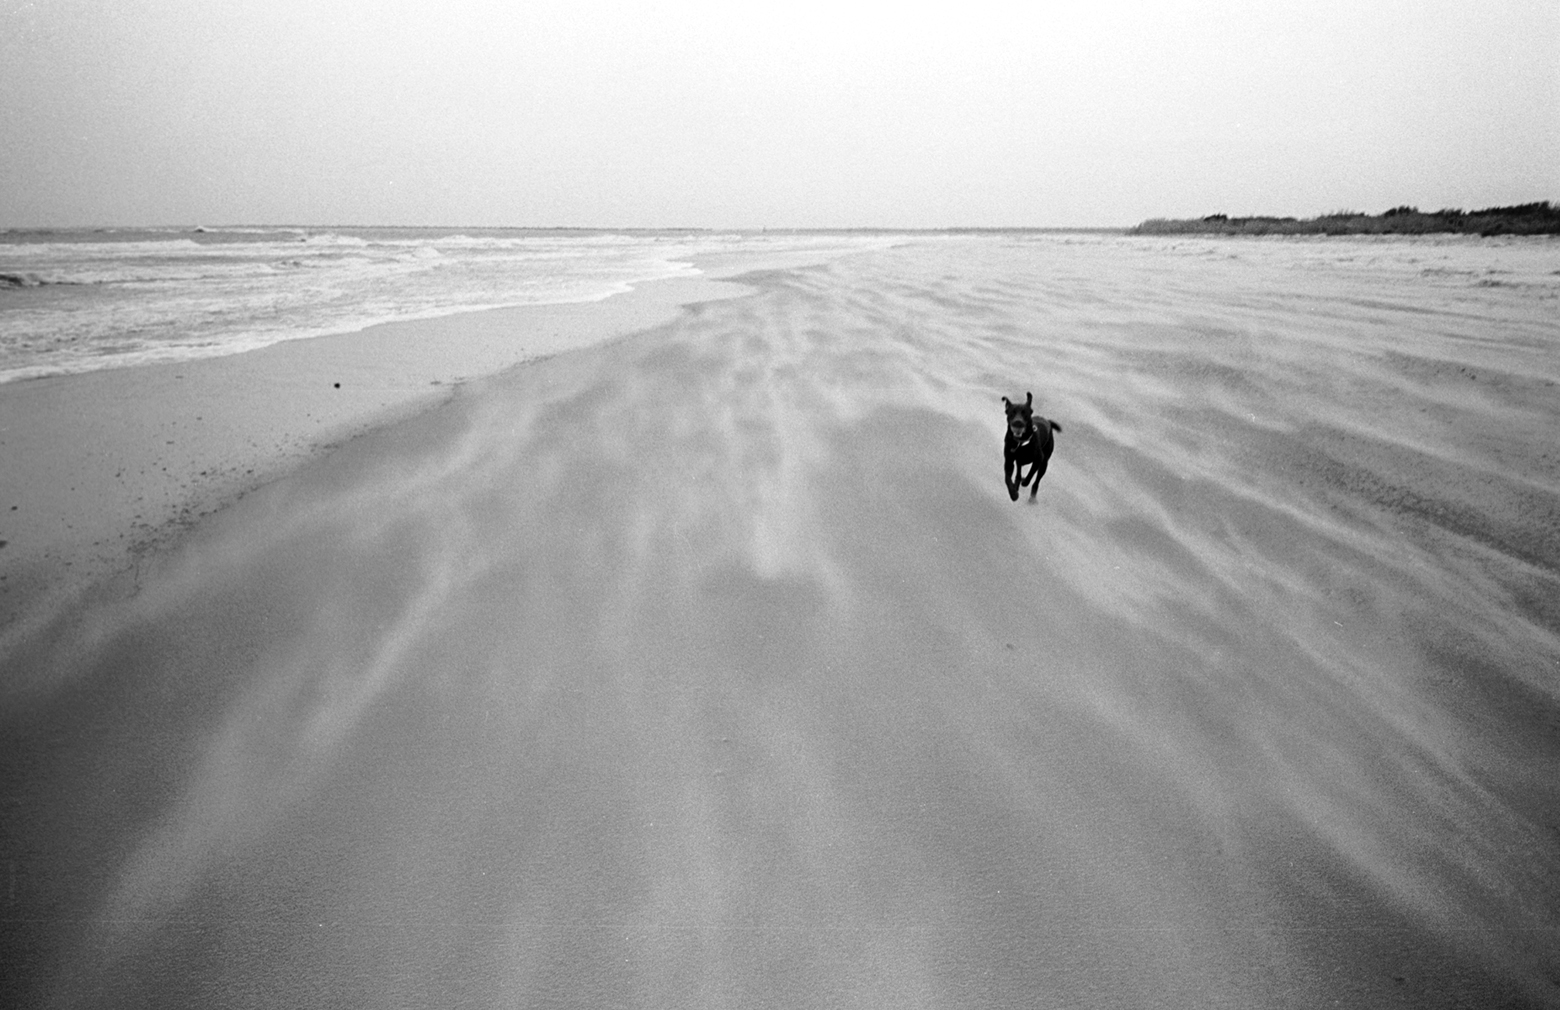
(85, 299)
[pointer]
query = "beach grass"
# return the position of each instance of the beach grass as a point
(1540, 218)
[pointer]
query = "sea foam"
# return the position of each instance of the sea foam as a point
(81, 301)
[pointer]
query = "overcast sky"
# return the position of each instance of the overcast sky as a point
(786, 113)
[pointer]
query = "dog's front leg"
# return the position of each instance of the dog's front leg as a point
(1010, 475)
(1035, 473)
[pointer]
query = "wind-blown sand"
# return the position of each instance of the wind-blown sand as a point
(713, 667)
(105, 467)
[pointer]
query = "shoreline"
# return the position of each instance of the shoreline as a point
(714, 662)
(106, 468)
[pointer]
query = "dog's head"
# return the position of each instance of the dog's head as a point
(1020, 416)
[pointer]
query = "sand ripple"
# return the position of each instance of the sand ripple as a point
(714, 667)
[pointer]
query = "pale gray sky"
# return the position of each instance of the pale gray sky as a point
(789, 113)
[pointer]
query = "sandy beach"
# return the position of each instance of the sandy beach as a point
(106, 467)
(703, 661)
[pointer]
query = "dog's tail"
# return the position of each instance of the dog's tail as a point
(1054, 426)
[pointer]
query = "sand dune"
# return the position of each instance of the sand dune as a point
(713, 667)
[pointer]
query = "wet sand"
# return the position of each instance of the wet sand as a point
(713, 666)
(105, 468)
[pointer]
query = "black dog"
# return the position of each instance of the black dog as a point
(1028, 441)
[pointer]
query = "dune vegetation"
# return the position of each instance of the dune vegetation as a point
(1542, 218)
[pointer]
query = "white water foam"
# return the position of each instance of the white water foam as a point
(82, 301)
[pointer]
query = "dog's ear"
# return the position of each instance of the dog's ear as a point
(1007, 403)
(1029, 399)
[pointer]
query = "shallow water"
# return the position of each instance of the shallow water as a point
(715, 667)
(81, 300)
